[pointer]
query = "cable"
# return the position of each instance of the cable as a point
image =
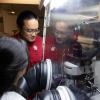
(63, 67)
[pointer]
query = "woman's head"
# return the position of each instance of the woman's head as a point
(13, 58)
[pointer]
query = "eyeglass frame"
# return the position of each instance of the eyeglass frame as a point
(31, 31)
(61, 33)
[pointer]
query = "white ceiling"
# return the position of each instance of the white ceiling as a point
(35, 2)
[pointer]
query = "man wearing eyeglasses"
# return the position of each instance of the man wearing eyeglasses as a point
(60, 44)
(28, 27)
(61, 32)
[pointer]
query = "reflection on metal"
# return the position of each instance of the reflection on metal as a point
(84, 14)
(88, 17)
(48, 20)
(44, 30)
(54, 4)
(46, 2)
(99, 12)
(77, 12)
(86, 42)
(41, 4)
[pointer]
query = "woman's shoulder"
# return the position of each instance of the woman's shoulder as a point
(12, 96)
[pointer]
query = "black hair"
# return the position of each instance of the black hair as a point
(26, 15)
(13, 57)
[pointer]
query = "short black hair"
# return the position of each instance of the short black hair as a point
(26, 15)
(13, 57)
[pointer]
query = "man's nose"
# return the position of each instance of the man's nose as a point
(59, 35)
(33, 34)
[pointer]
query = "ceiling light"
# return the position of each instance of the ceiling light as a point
(12, 12)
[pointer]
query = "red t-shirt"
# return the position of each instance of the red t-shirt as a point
(57, 52)
(35, 49)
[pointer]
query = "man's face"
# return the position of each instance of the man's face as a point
(29, 30)
(61, 32)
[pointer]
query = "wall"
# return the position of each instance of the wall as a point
(1, 20)
(10, 20)
(1, 27)
(0, 10)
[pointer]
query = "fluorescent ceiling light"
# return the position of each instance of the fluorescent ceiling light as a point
(12, 12)
(93, 17)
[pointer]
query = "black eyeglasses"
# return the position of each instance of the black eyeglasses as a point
(30, 31)
(61, 33)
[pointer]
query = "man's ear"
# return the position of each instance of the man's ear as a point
(19, 29)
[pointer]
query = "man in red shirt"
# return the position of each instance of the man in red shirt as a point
(60, 44)
(28, 27)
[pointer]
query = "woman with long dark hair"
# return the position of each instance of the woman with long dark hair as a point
(13, 63)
